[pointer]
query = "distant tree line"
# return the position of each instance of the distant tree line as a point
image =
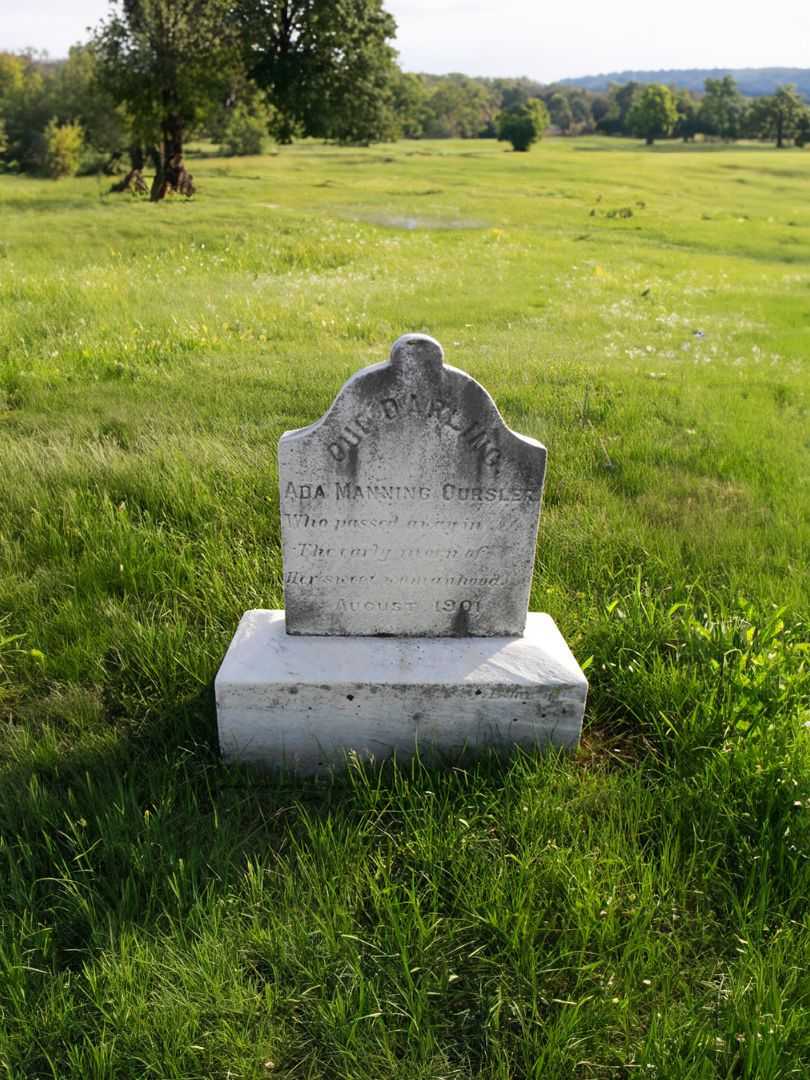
(459, 106)
(653, 111)
(753, 82)
(157, 73)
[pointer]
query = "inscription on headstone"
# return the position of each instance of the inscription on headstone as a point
(410, 508)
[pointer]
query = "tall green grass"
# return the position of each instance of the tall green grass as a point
(639, 908)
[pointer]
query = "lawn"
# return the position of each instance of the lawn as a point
(637, 909)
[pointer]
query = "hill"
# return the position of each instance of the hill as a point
(753, 82)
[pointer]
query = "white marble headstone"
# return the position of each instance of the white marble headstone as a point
(410, 508)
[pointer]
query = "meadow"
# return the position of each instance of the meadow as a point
(637, 909)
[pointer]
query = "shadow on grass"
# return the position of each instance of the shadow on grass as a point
(147, 880)
(127, 830)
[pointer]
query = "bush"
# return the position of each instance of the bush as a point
(246, 131)
(522, 125)
(62, 149)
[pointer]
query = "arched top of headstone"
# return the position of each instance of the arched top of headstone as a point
(416, 350)
(410, 507)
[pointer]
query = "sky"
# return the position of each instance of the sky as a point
(545, 41)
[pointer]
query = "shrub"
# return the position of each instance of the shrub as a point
(246, 131)
(62, 148)
(522, 125)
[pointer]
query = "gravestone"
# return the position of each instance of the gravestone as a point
(409, 517)
(409, 508)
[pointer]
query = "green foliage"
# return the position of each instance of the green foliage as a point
(560, 111)
(780, 116)
(615, 119)
(457, 106)
(722, 108)
(581, 110)
(600, 109)
(246, 131)
(166, 61)
(409, 97)
(523, 125)
(326, 66)
(653, 115)
(61, 149)
(570, 110)
(688, 123)
(160, 70)
(802, 135)
(68, 92)
(26, 106)
(12, 76)
(83, 99)
(642, 902)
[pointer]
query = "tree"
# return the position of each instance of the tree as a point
(581, 111)
(409, 99)
(510, 92)
(802, 136)
(32, 93)
(722, 108)
(326, 65)
(165, 60)
(559, 108)
(688, 123)
(61, 149)
(600, 110)
(458, 107)
(757, 119)
(621, 99)
(523, 125)
(785, 109)
(779, 116)
(246, 130)
(25, 109)
(653, 115)
(12, 75)
(77, 96)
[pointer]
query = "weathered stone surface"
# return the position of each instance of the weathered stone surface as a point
(305, 703)
(410, 508)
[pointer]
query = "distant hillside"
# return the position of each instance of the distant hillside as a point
(752, 81)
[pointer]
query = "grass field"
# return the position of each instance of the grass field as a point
(639, 909)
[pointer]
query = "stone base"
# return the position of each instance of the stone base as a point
(304, 703)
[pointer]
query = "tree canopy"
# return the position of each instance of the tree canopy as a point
(722, 108)
(326, 65)
(653, 115)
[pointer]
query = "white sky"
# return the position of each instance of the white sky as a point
(547, 41)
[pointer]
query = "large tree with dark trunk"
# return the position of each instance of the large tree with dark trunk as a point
(326, 66)
(166, 60)
(779, 116)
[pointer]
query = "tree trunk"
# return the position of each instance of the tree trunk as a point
(650, 140)
(780, 129)
(133, 182)
(171, 174)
